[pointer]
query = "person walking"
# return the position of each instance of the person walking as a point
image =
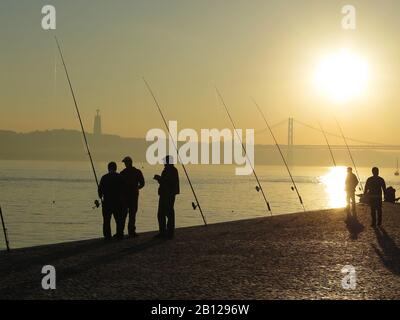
(374, 187)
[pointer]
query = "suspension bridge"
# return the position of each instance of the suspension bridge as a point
(357, 143)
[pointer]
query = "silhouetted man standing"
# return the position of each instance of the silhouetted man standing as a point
(133, 182)
(373, 189)
(110, 189)
(167, 191)
(351, 184)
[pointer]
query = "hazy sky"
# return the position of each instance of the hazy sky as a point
(265, 49)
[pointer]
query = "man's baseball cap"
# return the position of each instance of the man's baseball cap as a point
(127, 160)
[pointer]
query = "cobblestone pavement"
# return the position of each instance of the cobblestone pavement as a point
(298, 256)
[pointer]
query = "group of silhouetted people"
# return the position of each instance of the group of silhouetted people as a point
(374, 188)
(119, 193)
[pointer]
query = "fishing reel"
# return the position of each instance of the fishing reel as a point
(258, 188)
(96, 204)
(194, 206)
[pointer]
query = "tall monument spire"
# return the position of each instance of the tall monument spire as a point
(97, 124)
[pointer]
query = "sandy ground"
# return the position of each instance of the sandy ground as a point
(298, 256)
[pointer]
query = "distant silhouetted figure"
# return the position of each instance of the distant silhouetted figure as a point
(351, 184)
(110, 191)
(133, 182)
(374, 187)
(167, 191)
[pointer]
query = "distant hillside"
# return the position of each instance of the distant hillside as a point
(68, 145)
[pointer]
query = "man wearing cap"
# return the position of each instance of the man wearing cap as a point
(351, 184)
(168, 189)
(133, 182)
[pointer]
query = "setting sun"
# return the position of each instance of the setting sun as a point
(342, 76)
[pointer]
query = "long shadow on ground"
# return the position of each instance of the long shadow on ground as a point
(388, 251)
(354, 227)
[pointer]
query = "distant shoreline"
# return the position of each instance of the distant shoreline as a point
(56, 145)
(141, 163)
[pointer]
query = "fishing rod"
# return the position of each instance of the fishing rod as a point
(194, 205)
(4, 230)
(259, 187)
(328, 144)
(351, 156)
(294, 187)
(96, 202)
(54, 110)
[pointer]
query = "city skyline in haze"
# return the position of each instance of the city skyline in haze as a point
(263, 49)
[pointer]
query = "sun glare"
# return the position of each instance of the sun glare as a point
(342, 76)
(334, 182)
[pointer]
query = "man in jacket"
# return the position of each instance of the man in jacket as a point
(133, 182)
(167, 191)
(374, 187)
(351, 184)
(110, 191)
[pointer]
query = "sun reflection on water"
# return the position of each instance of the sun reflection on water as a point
(334, 182)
